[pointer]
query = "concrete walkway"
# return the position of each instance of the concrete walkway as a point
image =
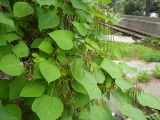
(117, 38)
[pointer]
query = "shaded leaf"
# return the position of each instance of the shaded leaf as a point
(4, 89)
(15, 87)
(22, 9)
(5, 115)
(15, 110)
(47, 19)
(5, 20)
(9, 37)
(78, 87)
(33, 88)
(79, 4)
(81, 100)
(121, 97)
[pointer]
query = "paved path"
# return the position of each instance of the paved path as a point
(117, 38)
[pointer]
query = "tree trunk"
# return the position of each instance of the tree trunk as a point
(148, 7)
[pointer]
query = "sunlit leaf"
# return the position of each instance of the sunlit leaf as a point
(49, 71)
(47, 107)
(149, 100)
(63, 38)
(11, 65)
(132, 112)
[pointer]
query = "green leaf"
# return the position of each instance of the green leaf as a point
(99, 76)
(77, 68)
(22, 9)
(86, 79)
(5, 50)
(4, 89)
(36, 42)
(5, 20)
(33, 88)
(46, 2)
(9, 37)
(111, 67)
(99, 113)
(90, 84)
(67, 9)
(21, 49)
(84, 115)
(46, 46)
(78, 87)
(68, 118)
(47, 19)
(106, 1)
(15, 110)
(4, 115)
(81, 100)
(123, 84)
(79, 4)
(63, 38)
(149, 100)
(47, 107)
(15, 87)
(49, 71)
(126, 69)
(132, 112)
(81, 28)
(121, 97)
(93, 44)
(11, 65)
(36, 72)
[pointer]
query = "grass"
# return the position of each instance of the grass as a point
(157, 72)
(119, 50)
(143, 76)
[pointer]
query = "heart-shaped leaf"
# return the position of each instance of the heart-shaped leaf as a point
(49, 71)
(63, 38)
(149, 100)
(47, 19)
(47, 107)
(22, 9)
(11, 65)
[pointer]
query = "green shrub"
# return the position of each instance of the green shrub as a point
(143, 76)
(152, 57)
(154, 40)
(157, 71)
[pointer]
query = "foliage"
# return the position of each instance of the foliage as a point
(154, 40)
(55, 68)
(128, 51)
(143, 76)
(157, 71)
(154, 116)
(152, 57)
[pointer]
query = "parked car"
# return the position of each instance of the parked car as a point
(153, 14)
